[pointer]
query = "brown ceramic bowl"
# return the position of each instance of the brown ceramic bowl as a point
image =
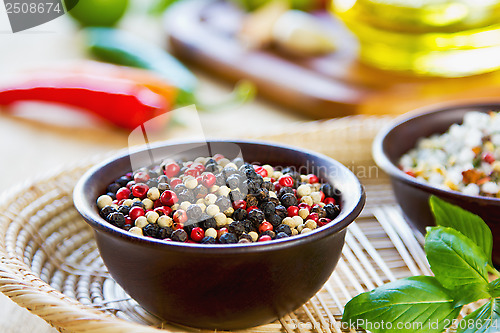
(413, 195)
(221, 286)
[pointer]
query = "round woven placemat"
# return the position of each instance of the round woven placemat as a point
(49, 262)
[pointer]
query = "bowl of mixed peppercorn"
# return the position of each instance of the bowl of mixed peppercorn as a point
(452, 152)
(218, 234)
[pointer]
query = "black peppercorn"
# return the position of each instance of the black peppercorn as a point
(163, 187)
(165, 232)
(280, 235)
(123, 181)
(228, 238)
(331, 191)
(281, 211)
(190, 225)
(163, 179)
(151, 230)
(288, 200)
(117, 219)
(262, 194)
(220, 180)
(236, 195)
(179, 235)
(124, 210)
(152, 183)
(256, 216)
(274, 200)
(268, 208)
(137, 204)
(179, 188)
(105, 211)
(209, 223)
(274, 219)
(248, 225)
(270, 233)
(284, 190)
(186, 195)
(236, 228)
(251, 186)
(210, 161)
(268, 185)
(283, 228)
(208, 240)
(211, 167)
(251, 200)
(200, 191)
(319, 210)
(223, 202)
(113, 187)
(240, 214)
(245, 167)
(228, 172)
(246, 236)
(194, 212)
(332, 211)
(155, 171)
(233, 181)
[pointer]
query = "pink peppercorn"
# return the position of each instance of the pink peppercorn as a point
(293, 211)
(174, 182)
(265, 226)
(192, 172)
(171, 169)
(197, 234)
(208, 179)
(168, 198)
(240, 204)
(265, 238)
(303, 205)
(140, 190)
(313, 216)
(313, 179)
(135, 212)
(329, 201)
(488, 158)
(261, 171)
(286, 181)
(123, 193)
(141, 177)
(249, 209)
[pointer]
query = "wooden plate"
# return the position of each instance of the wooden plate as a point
(204, 33)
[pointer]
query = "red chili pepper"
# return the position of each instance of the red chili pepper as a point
(124, 96)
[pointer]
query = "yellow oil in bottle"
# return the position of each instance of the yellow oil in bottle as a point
(448, 38)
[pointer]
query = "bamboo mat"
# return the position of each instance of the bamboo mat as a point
(49, 262)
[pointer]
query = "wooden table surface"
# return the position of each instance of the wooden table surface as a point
(30, 147)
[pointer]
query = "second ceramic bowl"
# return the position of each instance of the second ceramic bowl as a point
(413, 195)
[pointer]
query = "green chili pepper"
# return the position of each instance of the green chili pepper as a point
(119, 47)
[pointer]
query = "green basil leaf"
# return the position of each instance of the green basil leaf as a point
(486, 319)
(495, 288)
(412, 305)
(469, 224)
(458, 264)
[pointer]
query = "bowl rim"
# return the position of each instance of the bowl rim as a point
(383, 161)
(345, 218)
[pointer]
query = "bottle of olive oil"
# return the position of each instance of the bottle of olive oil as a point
(448, 38)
